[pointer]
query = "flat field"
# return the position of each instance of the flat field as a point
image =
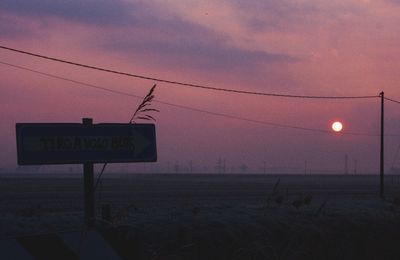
(196, 216)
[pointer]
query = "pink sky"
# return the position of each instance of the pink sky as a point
(307, 47)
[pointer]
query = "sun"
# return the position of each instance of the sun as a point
(337, 126)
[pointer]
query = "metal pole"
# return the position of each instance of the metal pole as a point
(382, 169)
(88, 186)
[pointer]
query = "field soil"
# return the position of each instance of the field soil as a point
(183, 216)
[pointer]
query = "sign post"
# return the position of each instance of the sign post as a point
(86, 143)
(88, 188)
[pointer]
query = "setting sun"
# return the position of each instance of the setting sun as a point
(337, 126)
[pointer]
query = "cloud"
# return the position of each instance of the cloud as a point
(100, 12)
(291, 27)
(394, 1)
(146, 31)
(206, 55)
(11, 27)
(173, 43)
(274, 14)
(162, 34)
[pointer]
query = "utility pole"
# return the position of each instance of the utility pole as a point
(382, 167)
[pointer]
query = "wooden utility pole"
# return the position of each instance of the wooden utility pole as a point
(382, 166)
(88, 188)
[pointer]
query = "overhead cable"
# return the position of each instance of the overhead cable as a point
(187, 107)
(392, 100)
(182, 83)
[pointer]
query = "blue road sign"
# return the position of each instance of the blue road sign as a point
(74, 143)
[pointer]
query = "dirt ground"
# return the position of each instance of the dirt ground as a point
(216, 216)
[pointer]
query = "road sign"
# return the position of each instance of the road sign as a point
(73, 143)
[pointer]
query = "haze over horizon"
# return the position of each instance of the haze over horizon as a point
(307, 47)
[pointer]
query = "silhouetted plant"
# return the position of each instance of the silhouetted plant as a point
(302, 202)
(279, 200)
(307, 199)
(275, 195)
(195, 211)
(275, 190)
(143, 110)
(123, 213)
(320, 209)
(298, 203)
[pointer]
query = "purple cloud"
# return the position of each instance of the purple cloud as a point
(208, 55)
(100, 12)
(185, 46)
(288, 16)
(10, 28)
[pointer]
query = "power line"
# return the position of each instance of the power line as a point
(392, 100)
(69, 80)
(182, 83)
(187, 107)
